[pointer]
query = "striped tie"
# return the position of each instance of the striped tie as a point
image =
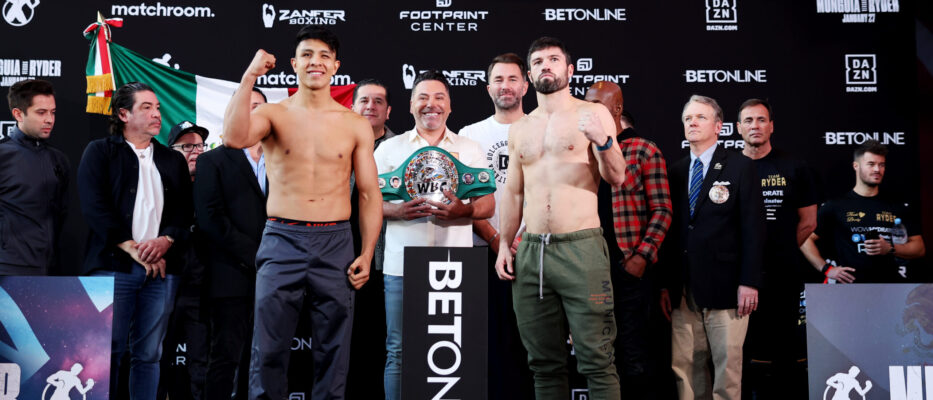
(696, 180)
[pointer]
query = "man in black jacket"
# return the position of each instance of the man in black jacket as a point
(230, 203)
(712, 256)
(34, 187)
(136, 196)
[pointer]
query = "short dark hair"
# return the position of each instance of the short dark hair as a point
(627, 116)
(124, 98)
(318, 32)
(22, 92)
(508, 58)
(756, 102)
(431, 75)
(264, 98)
(370, 81)
(870, 146)
(545, 42)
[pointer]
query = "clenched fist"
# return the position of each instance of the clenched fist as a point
(262, 63)
(592, 128)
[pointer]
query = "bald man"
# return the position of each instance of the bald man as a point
(635, 218)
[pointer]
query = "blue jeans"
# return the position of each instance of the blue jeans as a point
(393, 373)
(141, 310)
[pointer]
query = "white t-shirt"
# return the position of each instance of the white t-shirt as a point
(493, 137)
(426, 231)
(147, 210)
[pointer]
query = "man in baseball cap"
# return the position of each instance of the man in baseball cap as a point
(188, 139)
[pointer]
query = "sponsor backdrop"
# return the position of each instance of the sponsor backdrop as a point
(878, 347)
(55, 346)
(444, 341)
(837, 71)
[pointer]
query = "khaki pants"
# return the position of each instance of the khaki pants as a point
(695, 336)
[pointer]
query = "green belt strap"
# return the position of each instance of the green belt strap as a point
(469, 182)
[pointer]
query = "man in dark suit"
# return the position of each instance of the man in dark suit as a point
(230, 204)
(712, 257)
(136, 196)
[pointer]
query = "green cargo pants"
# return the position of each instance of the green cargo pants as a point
(563, 279)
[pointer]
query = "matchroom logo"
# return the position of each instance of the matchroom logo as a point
(721, 15)
(861, 73)
(158, 10)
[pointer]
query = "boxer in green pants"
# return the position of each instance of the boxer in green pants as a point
(557, 154)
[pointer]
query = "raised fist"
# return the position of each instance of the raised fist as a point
(592, 127)
(261, 63)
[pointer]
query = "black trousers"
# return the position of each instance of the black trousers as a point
(633, 312)
(295, 262)
(231, 334)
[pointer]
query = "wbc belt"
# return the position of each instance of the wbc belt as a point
(428, 172)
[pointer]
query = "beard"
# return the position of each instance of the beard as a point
(505, 104)
(547, 87)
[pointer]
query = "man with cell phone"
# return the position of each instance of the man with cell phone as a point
(863, 226)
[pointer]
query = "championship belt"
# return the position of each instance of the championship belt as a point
(428, 172)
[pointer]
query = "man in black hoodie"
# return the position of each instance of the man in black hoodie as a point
(34, 185)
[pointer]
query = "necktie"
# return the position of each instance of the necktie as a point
(696, 180)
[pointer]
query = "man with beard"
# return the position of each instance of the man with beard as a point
(423, 222)
(311, 144)
(507, 86)
(561, 271)
(860, 225)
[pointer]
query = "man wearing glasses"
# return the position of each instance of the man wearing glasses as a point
(188, 322)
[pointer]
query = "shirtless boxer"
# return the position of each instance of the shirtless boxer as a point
(561, 272)
(311, 144)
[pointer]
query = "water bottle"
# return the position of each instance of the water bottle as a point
(899, 236)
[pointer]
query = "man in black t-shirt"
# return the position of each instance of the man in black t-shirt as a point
(775, 342)
(860, 224)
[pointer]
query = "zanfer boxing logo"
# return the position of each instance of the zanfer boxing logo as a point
(579, 83)
(724, 76)
(19, 12)
(301, 17)
(584, 14)
(861, 70)
(443, 20)
(158, 10)
(14, 70)
(721, 15)
(454, 77)
(857, 11)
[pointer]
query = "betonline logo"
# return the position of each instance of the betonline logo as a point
(19, 12)
(454, 77)
(580, 83)
(721, 15)
(291, 80)
(158, 10)
(722, 76)
(301, 17)
(443, 20)
(584, 14)
(857, 11)
(861, 70)
(14, 70)
(857, 138)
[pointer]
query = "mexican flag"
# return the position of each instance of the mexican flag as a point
(183, 95)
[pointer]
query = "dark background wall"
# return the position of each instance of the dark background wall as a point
(787, 52)
(791, 53)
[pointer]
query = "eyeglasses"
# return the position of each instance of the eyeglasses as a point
(189, 147)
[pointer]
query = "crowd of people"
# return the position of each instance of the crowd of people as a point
(587, 222)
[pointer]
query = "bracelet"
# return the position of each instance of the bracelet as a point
(606, 146)
(169, 238)
(492, 240)
(826, 268)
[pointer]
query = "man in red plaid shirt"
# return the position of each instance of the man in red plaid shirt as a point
(635, 216)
